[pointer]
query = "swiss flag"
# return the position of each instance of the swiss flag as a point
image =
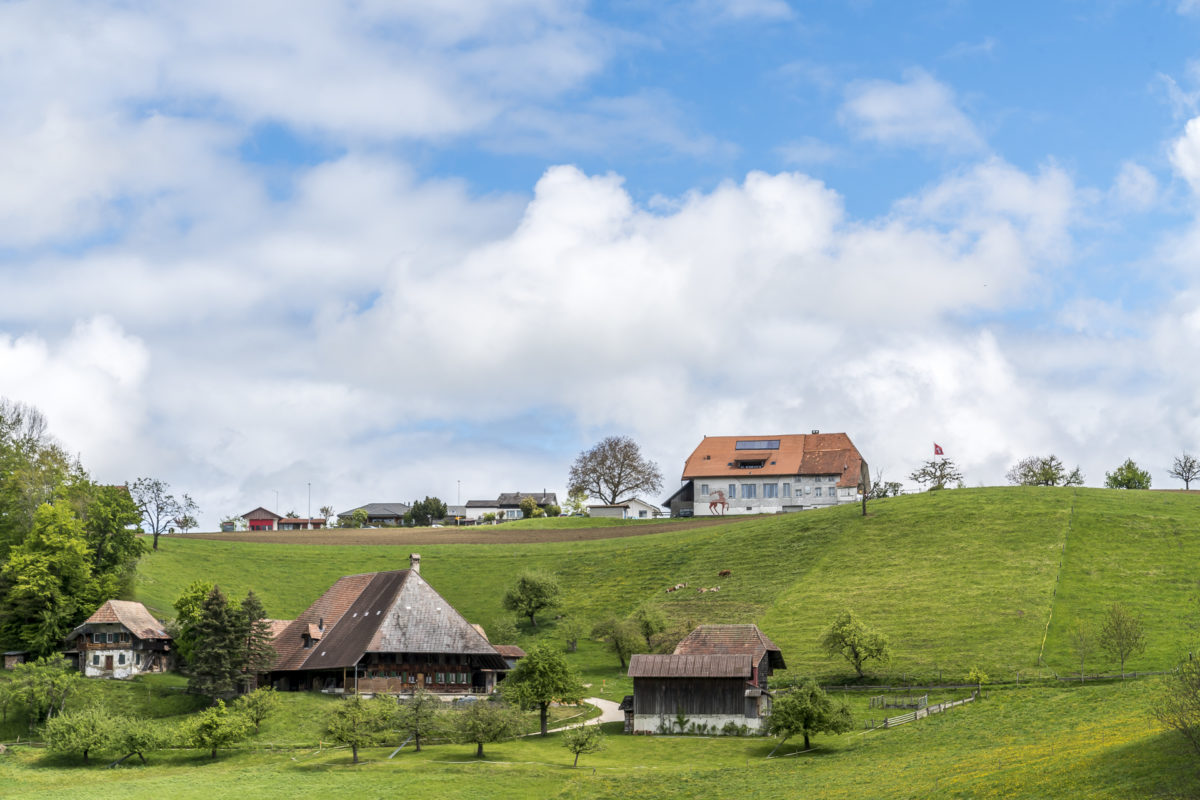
(937, 449)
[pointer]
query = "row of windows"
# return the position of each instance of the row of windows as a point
(749, 491)
(450, 678)
(137, 659)
(107, 638)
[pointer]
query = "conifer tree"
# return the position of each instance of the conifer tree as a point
(217, 660)
(258, 654)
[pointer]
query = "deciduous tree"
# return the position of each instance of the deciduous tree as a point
(158, 507)
(936, 473)
(83, 731)
(1122, 634)
(650, 621)
(1177, 706)
(424, 512)
(216, 727)
(484, 722)
(806, 710)
(532, 592)
(1043, 471)
(257, 705)
(418, 716)
(1186, 468)
(540, 678)
(613, 470)
(583, 739)
(620, 636)
(359, 723)
(1127, 476)
(42, 687)
(1084, 642)
(853, 640)
(187, 618)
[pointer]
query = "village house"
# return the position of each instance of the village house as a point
(717, 675)
(770, 474)
(384, 632)
(508, 505)
(120, 640)
(381, 514)
(633, 508)
(261, 519)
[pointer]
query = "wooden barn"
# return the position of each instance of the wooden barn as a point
(717, 675)
(121, 640)
(384, 632)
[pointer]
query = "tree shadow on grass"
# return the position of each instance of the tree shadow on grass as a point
(1160, 766)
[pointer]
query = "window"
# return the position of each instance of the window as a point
(831, 478)
(512, 513)
(750, 463)
(817, 492)
(704, 489)
(787, 490)
(732, 491)
(757, 444)
(749, 491)
(770, 490)
(642, 513)
(441, 677)
(97, 638)
(137, 659)
(110, 638)
(464, 678)
(412, 677)
(120, 658)
(95, 659)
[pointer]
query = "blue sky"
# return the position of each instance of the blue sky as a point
(386, 249)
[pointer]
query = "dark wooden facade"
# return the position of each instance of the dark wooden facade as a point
(666, 697)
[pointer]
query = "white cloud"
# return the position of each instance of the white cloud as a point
(807, 150)
(1135, 187)
(1185, 154)
(745, 9)
(920, 111)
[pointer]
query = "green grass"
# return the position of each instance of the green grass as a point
(1026, 743)
(956, 579)
(559, 523)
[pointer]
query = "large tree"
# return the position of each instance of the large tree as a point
(1186, 468)
(614, 470)
(424, 512)
(936, 473)
(187, 618)
(621, 637)
(159, 508)
(216, 666)
(1127, 476)
(258, 653)
(541, 677)
(804, 711)
(1043, 471)
(532, 592)
(82, 731)
(33, 470)
(418, 716)
(47, 585)
(850, 638)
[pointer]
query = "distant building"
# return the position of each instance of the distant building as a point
(633, 508)
(120, 640)
(384, 632)
(717, 675)
(769, 474)
(508, 505)
(380, 514)
(260, 519)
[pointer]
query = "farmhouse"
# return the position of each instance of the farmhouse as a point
(384, 632)
(121, 640)
(717, 675)
(769, 474)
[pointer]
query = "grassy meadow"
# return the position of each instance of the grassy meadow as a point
(992, 578)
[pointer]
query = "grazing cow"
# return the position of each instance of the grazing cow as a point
(724, 573)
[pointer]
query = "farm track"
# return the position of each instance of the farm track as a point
(483, 534)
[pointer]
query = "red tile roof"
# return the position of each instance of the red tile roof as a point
(509, 650)
(798, 454)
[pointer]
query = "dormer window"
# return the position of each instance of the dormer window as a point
(750, 463)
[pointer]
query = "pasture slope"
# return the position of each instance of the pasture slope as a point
(956, 579)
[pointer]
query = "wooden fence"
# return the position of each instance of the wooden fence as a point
(910, 701)
(920, 713)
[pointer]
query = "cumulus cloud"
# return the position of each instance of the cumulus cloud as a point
(919, 111)
(1185, 154)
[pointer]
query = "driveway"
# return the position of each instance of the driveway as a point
(609, 712)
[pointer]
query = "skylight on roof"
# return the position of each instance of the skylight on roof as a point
(757, 444)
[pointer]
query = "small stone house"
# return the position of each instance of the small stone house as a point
(120, 640)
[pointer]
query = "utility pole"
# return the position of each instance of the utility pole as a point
(309, 523)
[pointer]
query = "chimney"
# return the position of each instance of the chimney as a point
(414, 562)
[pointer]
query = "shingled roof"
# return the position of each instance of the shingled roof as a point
(134, 616)
(683, 666)
(731, 640)
(780, 454)
(378, 612)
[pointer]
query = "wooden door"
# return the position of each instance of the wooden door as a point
(421, 679)
(108, 664)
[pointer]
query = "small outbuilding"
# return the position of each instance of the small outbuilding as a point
(716, 676)
(120, 640)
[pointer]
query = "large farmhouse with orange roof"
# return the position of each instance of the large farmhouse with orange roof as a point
(769, 474)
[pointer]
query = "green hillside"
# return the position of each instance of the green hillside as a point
(955, 578)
